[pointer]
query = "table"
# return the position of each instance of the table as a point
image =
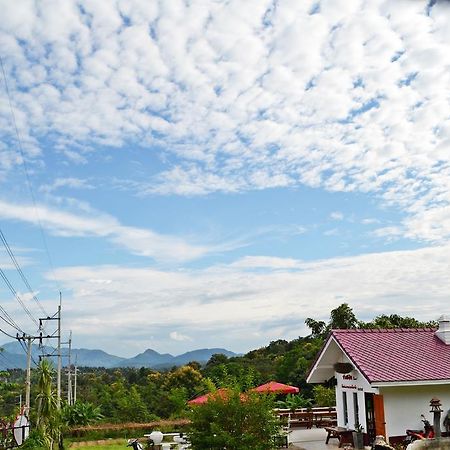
(343, 434)
(167, 444)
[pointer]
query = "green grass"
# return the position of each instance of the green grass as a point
(105, 447)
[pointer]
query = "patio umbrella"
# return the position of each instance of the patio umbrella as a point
(221, 393)
(273, 387)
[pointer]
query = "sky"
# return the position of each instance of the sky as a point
(195, 174)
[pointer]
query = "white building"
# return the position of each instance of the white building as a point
(391, 376)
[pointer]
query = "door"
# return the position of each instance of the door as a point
(370, 419)
(378, 409)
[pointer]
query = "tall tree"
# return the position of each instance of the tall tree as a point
(342, 318)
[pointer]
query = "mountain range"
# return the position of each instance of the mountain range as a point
(14, 356)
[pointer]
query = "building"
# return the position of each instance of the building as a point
(386, 378)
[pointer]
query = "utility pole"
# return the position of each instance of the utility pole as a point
(58, 380)
(57, 317)
(28, 379)
(29, 340)
(75, 383)
(69, 374)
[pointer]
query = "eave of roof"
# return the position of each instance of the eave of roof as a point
(393, 357)
(396, 356)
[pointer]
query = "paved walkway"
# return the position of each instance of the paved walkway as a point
(313, 439)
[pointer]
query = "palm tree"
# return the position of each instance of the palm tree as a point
(48, 415)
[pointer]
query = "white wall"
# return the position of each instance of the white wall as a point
(357, 384)
(404, 405)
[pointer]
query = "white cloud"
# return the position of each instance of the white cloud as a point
(139, 241)
(73, 183)
(268, 262)
(351, 98)
(241, 308)
(336, 215)
(176, 336)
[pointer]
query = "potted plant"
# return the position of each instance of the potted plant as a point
(341, 367)
(358, 436)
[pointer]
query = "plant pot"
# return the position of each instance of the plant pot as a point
(358, 440)
(343, 367)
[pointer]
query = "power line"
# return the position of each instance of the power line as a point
(7, 334)
(8, 319)
(19, 270)
(17, 297)
(25, 167)
(6, 359)
(22, 344)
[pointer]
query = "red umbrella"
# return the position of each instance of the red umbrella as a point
(276, 388)
(221, 393)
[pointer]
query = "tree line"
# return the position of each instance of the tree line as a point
(144, 395)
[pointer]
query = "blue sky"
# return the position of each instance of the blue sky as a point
(211, 174)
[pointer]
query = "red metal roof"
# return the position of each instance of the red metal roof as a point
(396, 355)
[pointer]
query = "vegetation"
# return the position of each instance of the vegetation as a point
(49, 422)
(122, 396)
(234, 422)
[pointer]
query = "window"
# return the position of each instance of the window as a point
(356, 408)
(344, 399)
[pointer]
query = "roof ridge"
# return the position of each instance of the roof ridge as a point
(384, 330)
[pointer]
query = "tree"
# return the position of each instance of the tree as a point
(49, 421)
(318, 327)
(396, 321)
(235, 422)
(324, 396)
(343, 318)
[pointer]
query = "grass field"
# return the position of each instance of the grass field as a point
(116, 444)
(105, 447)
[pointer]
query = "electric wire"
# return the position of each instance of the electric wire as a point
(7, 334)
(19, 270)
(9, 320)
(17, 297)
(22, 344)
(27, 176)
(5, 359)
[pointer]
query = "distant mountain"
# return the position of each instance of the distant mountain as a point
(83, 357)
(150, 358)
(202, 356)
(12, 361)
(95, 358)
(14, 356)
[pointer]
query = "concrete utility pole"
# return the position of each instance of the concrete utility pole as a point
(75, 383)
(29, 340)
(57, 317)
(28, 378)
(69, 374)
(58, 379)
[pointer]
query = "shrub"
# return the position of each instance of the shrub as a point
(324, 396)
(294, 401)
(81, 413)
(234, 421)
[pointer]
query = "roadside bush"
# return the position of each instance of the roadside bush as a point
(234, 421)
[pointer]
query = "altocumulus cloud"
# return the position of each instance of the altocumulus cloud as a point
(346, 95)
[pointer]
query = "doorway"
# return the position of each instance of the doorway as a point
(375, 421)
